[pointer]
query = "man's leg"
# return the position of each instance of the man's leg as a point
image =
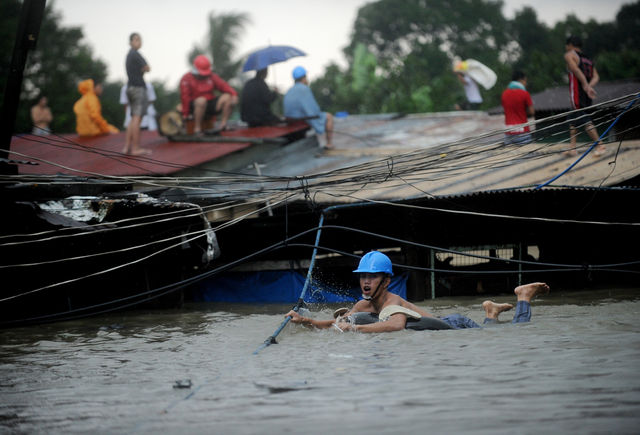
(492, 310)
(134, 128)
(573, 138)
(525, 293)
(329, 130)
(593, 134)
(138, 104)
(458, 321)
(224, 106)
(127, 139)
(199, 107)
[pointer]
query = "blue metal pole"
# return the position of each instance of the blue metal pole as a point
(589, 150)
(272, 338)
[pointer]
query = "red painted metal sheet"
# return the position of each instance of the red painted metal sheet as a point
(75, 155)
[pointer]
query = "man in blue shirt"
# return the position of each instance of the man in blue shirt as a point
(299, 103)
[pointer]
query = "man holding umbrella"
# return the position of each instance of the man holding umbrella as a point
(255, 101)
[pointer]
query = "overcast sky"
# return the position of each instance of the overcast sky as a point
(321, 28)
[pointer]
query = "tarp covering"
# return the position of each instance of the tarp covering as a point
(278, 287)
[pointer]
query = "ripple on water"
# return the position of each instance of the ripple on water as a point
(82, 376)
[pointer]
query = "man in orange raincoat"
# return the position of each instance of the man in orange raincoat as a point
(89, 120)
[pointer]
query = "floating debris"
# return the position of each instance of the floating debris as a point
(182, 383)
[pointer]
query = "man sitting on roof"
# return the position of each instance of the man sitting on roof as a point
(255, 101)
(198, 98)
(299, 103)
(375, 275)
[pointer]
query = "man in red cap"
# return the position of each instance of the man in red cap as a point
(198, 96)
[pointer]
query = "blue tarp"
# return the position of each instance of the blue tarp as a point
(278, 287)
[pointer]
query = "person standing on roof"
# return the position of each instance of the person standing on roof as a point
(88, 110)
(198, 95)
(583, 76)
(137, 97)
(375, 271)
(299, 103)
(471, 89)
(517, 105)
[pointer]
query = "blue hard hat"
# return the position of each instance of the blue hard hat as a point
(374, 262)
(299, 72)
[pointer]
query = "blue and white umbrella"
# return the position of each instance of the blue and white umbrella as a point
(261, 59)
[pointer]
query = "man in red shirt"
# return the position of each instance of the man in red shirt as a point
(517, 106)
(197, 94)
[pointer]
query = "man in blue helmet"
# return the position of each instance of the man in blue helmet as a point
(299, 103)
(393, 311)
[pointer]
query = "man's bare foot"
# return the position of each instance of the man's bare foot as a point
(600, 150)
(570, 152)
(493, 309)
(529, 291)
(141, 152)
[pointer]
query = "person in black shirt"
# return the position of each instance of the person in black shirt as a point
(137, 95)
(255, 102)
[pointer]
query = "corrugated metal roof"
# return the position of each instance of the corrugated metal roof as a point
(384, 157)
(74, 155)
(376, 157)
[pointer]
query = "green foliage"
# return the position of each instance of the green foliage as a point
(623, 64)
(59, 62)
(421, 99)
(401, 53)
(220, 43)
(62, 59)
(166, 98)
(112, 110)
(400, 57)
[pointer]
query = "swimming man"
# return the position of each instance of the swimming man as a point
(375, 276)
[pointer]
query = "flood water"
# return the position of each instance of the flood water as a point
(573, 369)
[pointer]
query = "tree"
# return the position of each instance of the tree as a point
(401, 53)
(413, 45)
(220, 43)
(539, 52)
(59, 62)
(463, 28)
(620, 58)
(628, 23)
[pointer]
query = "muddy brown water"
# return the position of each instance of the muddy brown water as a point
(573, 369)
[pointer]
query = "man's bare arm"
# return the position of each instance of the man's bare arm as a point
(396, 322)
(572, 64)
(301, 320)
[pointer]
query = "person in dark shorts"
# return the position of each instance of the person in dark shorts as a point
(204, 94)
(583, 76)
(137, 95)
